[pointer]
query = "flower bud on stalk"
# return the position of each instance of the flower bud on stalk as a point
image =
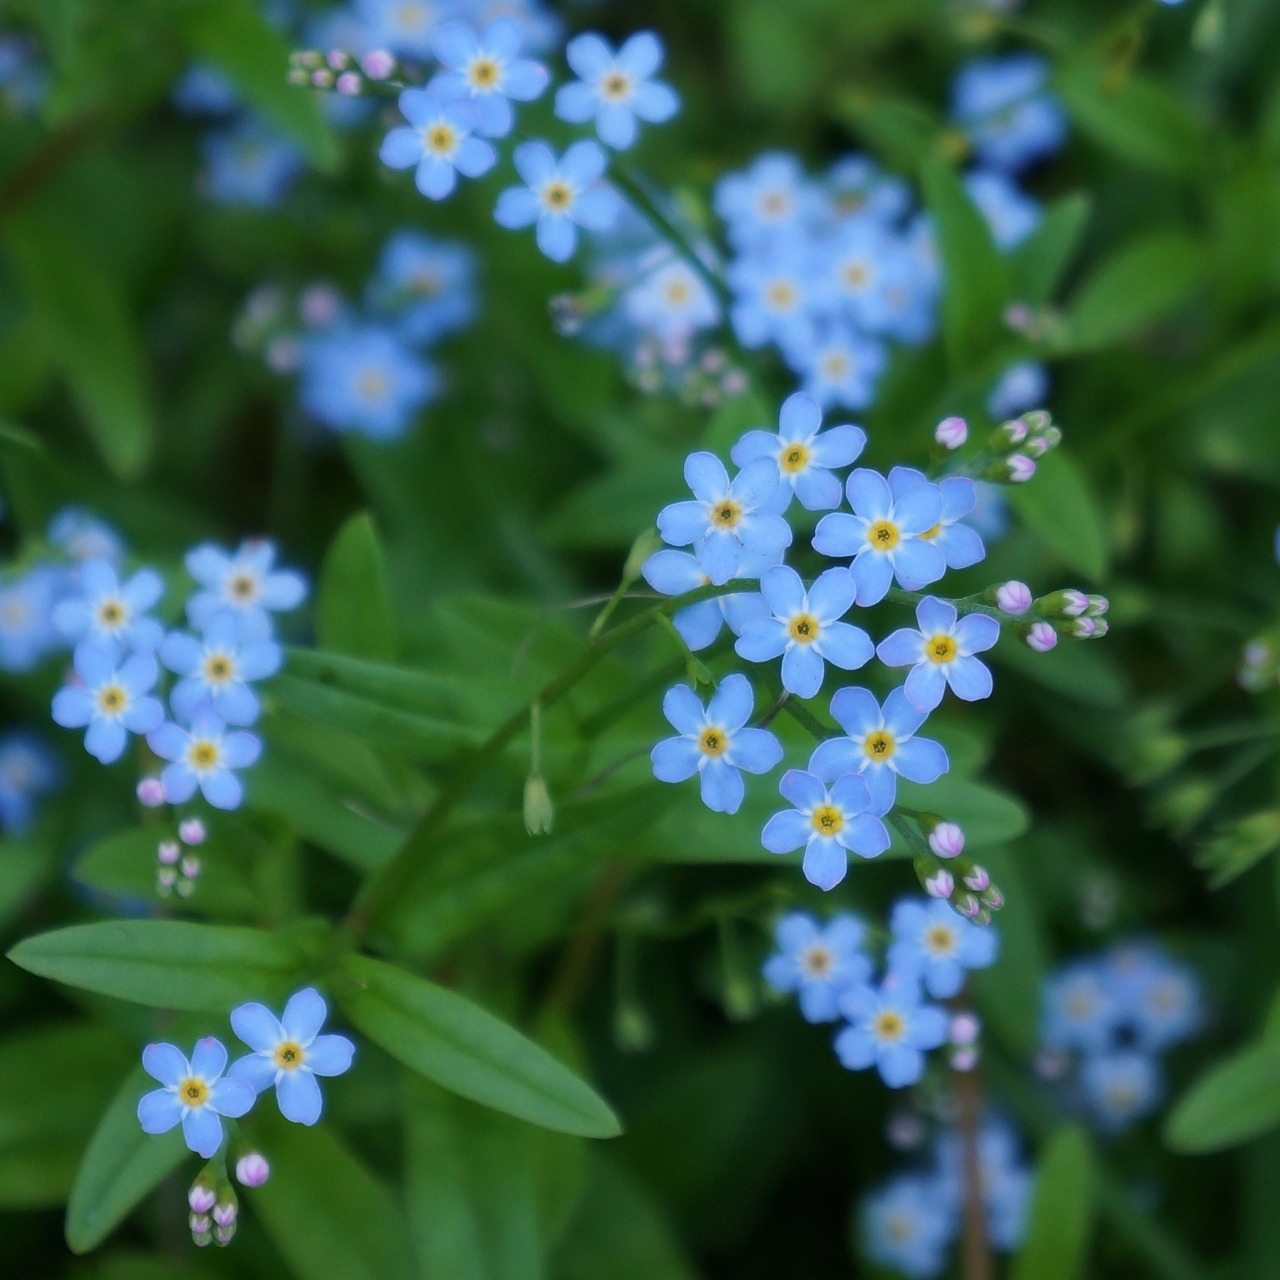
(1041, 637)
(947, 840)
(1013, 597)
(252, 1170)
(951, 433)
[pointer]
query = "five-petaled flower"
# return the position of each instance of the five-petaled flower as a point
(204, 756)
(111, 700)
(486, 70)
(616, 89)
(195, 1093)
(216, 668)
(245, 581)
(817, 962)
(438, 143)
(108, 610)
(937, 945)
(890, 1029)
(941, 653)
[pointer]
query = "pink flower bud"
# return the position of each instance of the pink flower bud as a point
(1041, 637)
(378, 64)
(199, 1223)
(905, 1131)
(1098, 605)
(1021, 468)
(191, 866)
(168, 852)
(947, 840)
(1257, 653)
(319, 304)
(993, 899)
(191, 831)
(225, 1214)
(967, 905)
(1014, 597)
(349, 84)
(201, 1197)
(252, 1170)
(978, 879)
(185, 888)
(1074, 603)
(940, 885)
(165, 877)
(150, 793)
(1018, 316)
(964, 1059)
(322, 79)
(734, 383)
(1014, 431)
(951, 433)
(283, 355)
(337, 59)
(965, 1028)
(1084, 628)
(224, 1235)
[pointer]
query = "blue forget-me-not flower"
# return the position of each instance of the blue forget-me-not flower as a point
(616, 89)
(195, 1094)
(941, 653)
(817, 961)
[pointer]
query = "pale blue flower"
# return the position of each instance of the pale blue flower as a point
(941, 653)
(1023, 385)
(486, 70)
(425, 286)
(28, 769)
(195, 1094)
(1006, 111)
(109, 701)
(817, 961)
(438, 143)
(245, 581)
(907, 1226)
(1005, 1181)
(890, 1029)
(218, 666)
(675, 572)
(27, 633)
(404, 27)
(84, 537)
(1081, 1008)
(616, 89)
(1159, 1000)
(1121, 1086)
(932, 941)
(960, 545)
(1011, 214)
(770, 202)
(204, 756)
(840, 366)
(248, 163)
(106, 610)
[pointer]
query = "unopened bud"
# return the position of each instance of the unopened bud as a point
(1021, 468)
(1074, 603)
(941, 884)
(150, 793)
(947, 840)
(168, 852)
(322, 79)
(201, 1197)
(184, 888)
(993, 899)
(968, 906)
(252, 1170)
(1014, 597)
(1098, 605)
(539, 812)
(1100, 628)
(378, 64)
(199, 1223)
(951, 433)
(338, 59)
(1041, 637)
(965, 1028)
(191, 866)
(225, 1214)
(1039, 421)
(977, 878)
(166, 876)
(1012, 432)
(905, 1131)
(191, 831)
(224, 1235)
(641, 549)
(1084, 628)
(349, 84)
(964, 1059)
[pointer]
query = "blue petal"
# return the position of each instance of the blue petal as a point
(935, 615)
(802, 670)
(919, 510)
(902, 648)
(786, 831)
(616, 125)
(800, 418)
(222, 789)
(557, 237)
(232, 1098)
(856, 711)
(722, 787)
(209, 1059)
(683, 709)
(832, 594)
(159, 1111)
(203, 1131)
(731, 703)
(257, 1026)
(869, 494)
(706, 477)
(917, 564)
(755, 750)
(105, 739)
(835, 757)
(825, 863)
(961, 546)
(882, 783)
(720, 554)
(855, 1048)
(900, 717)
(847, 646)
(783, 591)
(866, 835)
(818, 1002)
(762, 641)
(257, 1070)
(681, 523)
(165, 1062)
(969, 679)
(298, 1093)
(330, 1055)
(873, 574)
(977, 633)
(850, 793)
(576, 102)
(517, 207)
(304, 1015)
(675, 759)
(839, 446)
(900, 1066)
(796, 932)
(804, 790)
(920, 760)
(925, 685)
(818, 490)
(699, 624)
(839, 535)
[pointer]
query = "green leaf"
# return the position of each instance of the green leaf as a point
(167, 964)
(611, 510)
(1057, 1239)
(975, 287)
(1137, 286)
(327, 1214)
(1039, 262)
(735, 416)
(1058, 504)
(97, 342)
(466, 1049)
(22, 867)
(236, 38)
(1080, 670)
(1236, 1101)
(353, 598)
(988, 816)
(121, 1165)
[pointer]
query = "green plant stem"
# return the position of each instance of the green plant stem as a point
(385, 886)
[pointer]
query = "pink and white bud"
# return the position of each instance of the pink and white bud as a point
(1100, 628)
(338, 59)
(1084, 628)
(1021, 468)
(191, 866)
(378, 64)
(1074, 603)
(168, 852)
(1014, 597)
(1041, 637)
(947, 840)
(1098, 605)
(978, 879)
(964, 1059)
(309, 57)
(1036, 447)
(191, 831)
(1014, 431)
(1018, 316)
(184, 888)
(951, 433)
(298, 76)
(905, 1131)
(199, 1223)
(322, 79)
(734, 383)
(319, 304)
(150, 793)
(252, 1170)
(965, 1029)
(349, 84)
(993, 899)
(225, 1214)
(967, 905)
(283, 354)
(1257, 653)
(941, 884)
(201, 1197)
(224, 1235)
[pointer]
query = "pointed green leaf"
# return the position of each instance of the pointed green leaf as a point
(1058, 504)
(1039, 262)
(353, 598)
(1057, 1240)
(1236, 1101)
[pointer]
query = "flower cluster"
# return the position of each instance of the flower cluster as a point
(1107, 1019)
(890, 1024)
(198, 1092)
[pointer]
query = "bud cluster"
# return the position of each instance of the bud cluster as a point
(375, 72)
(963, 883)
(213, 1203)
(1018, 444)
(176, 871)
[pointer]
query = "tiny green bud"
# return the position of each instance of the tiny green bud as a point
(539, 812)
(641, 549)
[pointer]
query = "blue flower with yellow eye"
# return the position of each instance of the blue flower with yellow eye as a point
(941, 653)
(27, 633)
(675, 572)
(485, 69)
(960, 545)
(932, 941)
(217, 667)
(109, 699)
(195, 1094)
(908, 1226)
(248, 163)
(1007, 112)
(28, 769)
(890, 1028)
(205, 756)
(438, 143)
(106, 610)
(817, 961)
(616, 89)
(245, 581)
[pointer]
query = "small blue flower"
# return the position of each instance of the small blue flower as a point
(839, 366)
(616, 89)
(243, 581)
(195, 1093)
(1024, 385)
(879, 744)
(27, 770)
(960, 545)
(109, 611)
(486, 70)
(890, 1029)
(1005, 1181)
(803, 453)
(428, 284)
(817, 962)
(403, 27)
(941, 653)
(862, 192)
(884, 536)
(1159, 999)
(27, 633)
(931, 940)
(727, 521)
(671, 302)
(204, 756)
(1121, 1086)
(84, 537)
(804, 628)
(830, 822)
(770, 202)
(714, 743)
(248, 163)
(1004, 108)
(23, 76)
(777, 298)
(110, 700)
(559, 196)
(908, 1226)
(289, 1052)
(438, 143)
(204, 90)
(217, 667)
(675, 572)
(362, 378)
(1011, 214)
(1081, 1010)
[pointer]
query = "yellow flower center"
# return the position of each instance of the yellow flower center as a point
(15, 613)
(1164, 998)
(835, 364)
(929, 534)
(855, 274)
(827, 820)
(782, 294)
(773, 204)
(817, 962)
(940, 940)
(804, 628)
(193, 1092)
(440, 138)
(1122, 1097)
(616, 86)
(879, 745)
(889, 1025)
(111, 613)
(289, 1055)
(884, 535)
(1079, 1005)
(900, 1230)
(484, 73)
(726, 514)
(677, 292)
(713, 741)
(410, 17)
(111, 699)
(217, 669)
(940, 649)
(425, 284)
(556, 195)
(203, 754)
(795, 457)
(371, 384)
(244, 587)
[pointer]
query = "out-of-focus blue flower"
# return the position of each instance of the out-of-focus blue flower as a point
(485, 69)
(427, 285)
(803, 453)
(27, 633)
(1120, 1086)
(403, 27)
(861, 191)
(671, 302)
(727, 520)
(769, 202)
(1005, 1181)
(559, 196)
(829, 822)
(1006, 111)
(204, 90)
(107, 610)
(289, 1053)
(84, 537)
(1011, 214)
(109, 701)
(1080, 1008)
(244, 581)
(438, 143)
(889, 1028)
(541, 28)
(776, 298)
(803, 627)
(362, 378)
(675, 572)
(204, 756)
(1024, 385)
(990, 515)
(840, 366)
(195, 1094)
(884, 536)
(28, 769)
(714, 742)
(879, 745)
(817, 962)
(248, 163)
(941, 653)
(217, 667)
(23, 77)
(1159, 999)
(616, 89)
(931, 940)
(907, 1226)
(960, 545)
